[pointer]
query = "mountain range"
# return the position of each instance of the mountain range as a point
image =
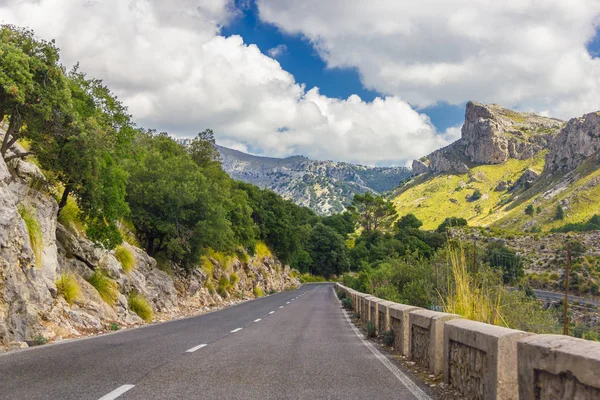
(326, 187)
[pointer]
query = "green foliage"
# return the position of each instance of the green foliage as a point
(476, 195)
(347, 303)
(373, 213)
(529, 210)
(70, 216)
(39, 340)
(106, 287)
(262, 250)
(114, 326)
(388, 338)
(371, 329)
(592, 225)
(340, 294)
(560, 213)
(409, 221)
(234, 279)
(125, 257)
(258, 292)
(451, 222)
(36, 239)
(308, 278)
(328, 251)
(68, 288)
(344, 224)
(210, 286)
(139, 305)
(500, 256)
(224, 286)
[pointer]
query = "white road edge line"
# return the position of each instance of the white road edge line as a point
(257, 320)
(236, 330)
(193, 349)
(272, 312)
(117, 392)
(405, 380)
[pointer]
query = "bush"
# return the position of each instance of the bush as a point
(210, 286)
(36, 239)
(224, 286)
(475, 196)
(262, 250)
(258, 292)
(371, 329)
(139, 305)
(347, 303)
(207, 266)
(125, 257)
(388, 338)
(106, 287)
(308, 278)
(114, 326)
(340, 294)
(68, 288)
(38, 341)
(234, 279)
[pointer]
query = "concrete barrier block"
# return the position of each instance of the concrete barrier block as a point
(480, 360)
(426, 338)
(398, 319)
(383, 316)
(558, 367)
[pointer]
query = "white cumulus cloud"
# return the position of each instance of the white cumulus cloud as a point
(169, 63)
(525, 54)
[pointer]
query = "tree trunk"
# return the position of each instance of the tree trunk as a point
(64, 198)
(11, 133)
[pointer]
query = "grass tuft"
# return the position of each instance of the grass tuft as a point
(68, 288)
(262, 250)
(139, 305)
(127, 231)
(125, 257)
(371, 329)
(258, 292)
(234, 279)
(36, 239)
(210, 286)
(106, 287)
(70, 216)
(224, 286)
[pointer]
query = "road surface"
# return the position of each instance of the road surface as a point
(584, 301)
(292, 345)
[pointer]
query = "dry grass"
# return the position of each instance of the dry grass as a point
(262, 250)
(68, 288)
(125, 257)
(139, 305)
(106, 287)
(34, 230)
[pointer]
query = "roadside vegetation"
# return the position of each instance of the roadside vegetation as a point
(106, 287)
(139, 305)
(68, 288)
(36, 240)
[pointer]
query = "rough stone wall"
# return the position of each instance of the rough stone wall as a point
(562, 387)
(382, 322)
(373, 314)
(419, 348)
(396, 326)
(467, 370)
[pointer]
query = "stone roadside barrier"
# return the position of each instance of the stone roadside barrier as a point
(484, 361)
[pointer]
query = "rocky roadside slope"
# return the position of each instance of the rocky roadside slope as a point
(32, 311)
(324, 186)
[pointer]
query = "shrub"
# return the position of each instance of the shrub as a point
(70, 217)
(139, 305)
(262, 250)
(258, 292)
(39, 340)
(529, 210)
(340, 294)
(388, 338)
(125, 257)
(371, 329)
(475, 196)
(308, 278)
(210, 286)
(560, 213)
(68, 288)
(224, 286)
(207, 266)
(294, 273)
(106, 287)
(347, 303)
(36, 239)
(114, 326)
(234, 279)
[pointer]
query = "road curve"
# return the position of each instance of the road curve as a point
(584, 301)
(292, 345)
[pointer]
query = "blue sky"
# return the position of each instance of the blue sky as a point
(304, 63)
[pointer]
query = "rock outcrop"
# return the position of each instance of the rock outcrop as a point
(492, 134)
(578, 140)
(33, 310)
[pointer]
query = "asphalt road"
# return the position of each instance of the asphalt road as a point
(292, 345)
(584, 301)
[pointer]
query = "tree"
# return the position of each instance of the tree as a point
(327, 251)
(560, 213)
(529, 210)
(33, 88)
(344, 223)
(373, 213)
(203, 149)
(409, 221)
(476, 195)
(451, 222)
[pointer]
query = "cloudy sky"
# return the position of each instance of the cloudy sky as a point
(372, 81)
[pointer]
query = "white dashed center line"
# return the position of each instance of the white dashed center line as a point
(193, 349)
(280, 306)
(287, 302)
(272, 312)
(117, 392)
(257, 320)
(236, 330)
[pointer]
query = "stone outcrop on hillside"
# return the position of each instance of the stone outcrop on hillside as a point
(492, 134)
(30, 304)
(579, 139)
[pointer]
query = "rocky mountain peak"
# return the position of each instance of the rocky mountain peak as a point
(491, 134)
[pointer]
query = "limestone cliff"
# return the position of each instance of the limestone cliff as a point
(36, 253)
(491, 134)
